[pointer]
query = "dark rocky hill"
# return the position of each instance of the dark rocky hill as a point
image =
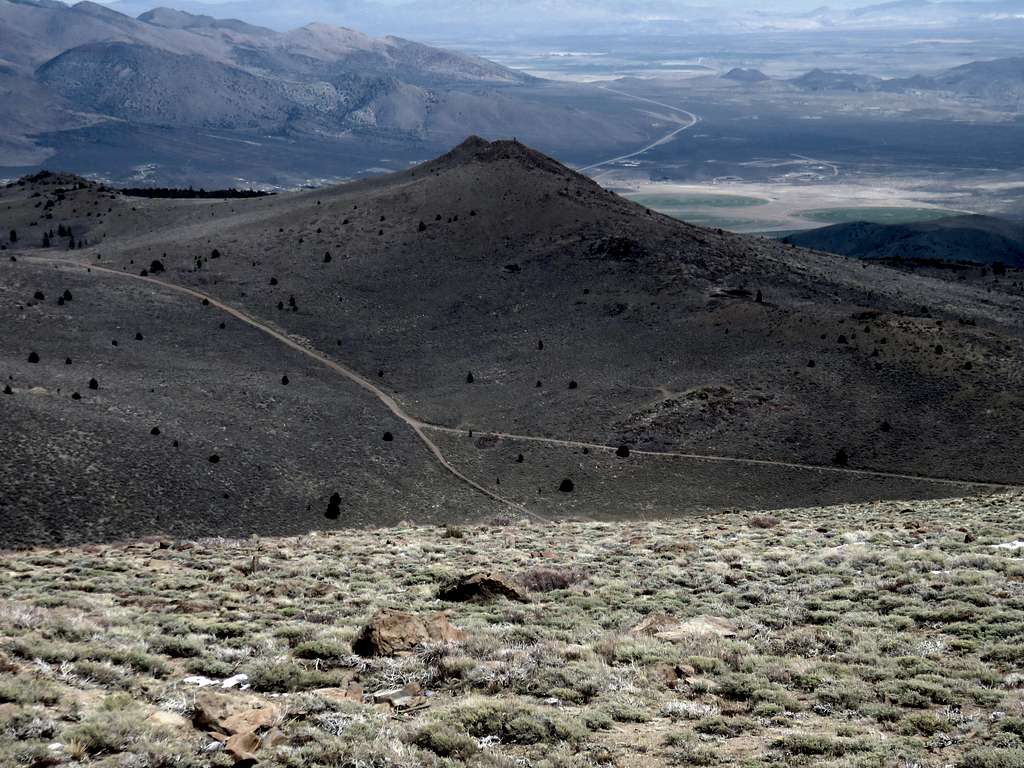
(516, 313)
(971, 239)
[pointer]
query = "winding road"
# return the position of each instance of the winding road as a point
(392, 405)
(663, 140)
(420, 428)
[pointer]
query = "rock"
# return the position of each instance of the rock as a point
(406, 697)
(394, 633)
(441, 630)
(481, 587)
(232, 714)
(354, 692)
(242, 747)
(665, 673)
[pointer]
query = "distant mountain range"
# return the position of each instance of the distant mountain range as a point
(446, 19)
(66, 68)
(999, 81)
(977, 239)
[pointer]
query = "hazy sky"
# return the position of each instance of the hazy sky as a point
(475, 19)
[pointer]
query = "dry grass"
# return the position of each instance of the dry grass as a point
(867, 635)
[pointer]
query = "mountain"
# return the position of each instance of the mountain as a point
(999, 82)
(106, 94)
(485, 334)
(741, 75)
(975, 239)
(822, 80)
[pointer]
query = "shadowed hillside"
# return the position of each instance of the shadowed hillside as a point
(491, 307)
(974, 239)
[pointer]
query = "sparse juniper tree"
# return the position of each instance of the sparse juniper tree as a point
(71, 244)
(14, 236)
(46, 239)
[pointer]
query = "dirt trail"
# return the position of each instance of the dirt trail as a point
(414, 424)
(726, 459)
(421, 427)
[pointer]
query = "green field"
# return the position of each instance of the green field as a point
(877, 215)
(671, 203)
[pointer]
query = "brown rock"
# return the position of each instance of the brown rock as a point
(354, 692)
(481, 587)
(231, 715)
(243, 747)
(665, 673)
(441, 630)
(393, 633)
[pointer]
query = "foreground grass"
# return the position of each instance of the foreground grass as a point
(887, 634)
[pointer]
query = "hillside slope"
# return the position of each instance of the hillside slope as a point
(520, 317)
(857, 635)
(976, 239)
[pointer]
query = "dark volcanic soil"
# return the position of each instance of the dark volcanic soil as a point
(493, 260)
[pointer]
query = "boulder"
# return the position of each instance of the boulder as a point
(395, 633)
(482, 587)
(353, 692)
(230, 715)
(407, 697)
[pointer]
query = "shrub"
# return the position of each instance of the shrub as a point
(992, 758)
(548, 579)
(510, 721)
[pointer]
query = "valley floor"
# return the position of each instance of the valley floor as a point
(888, 633)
